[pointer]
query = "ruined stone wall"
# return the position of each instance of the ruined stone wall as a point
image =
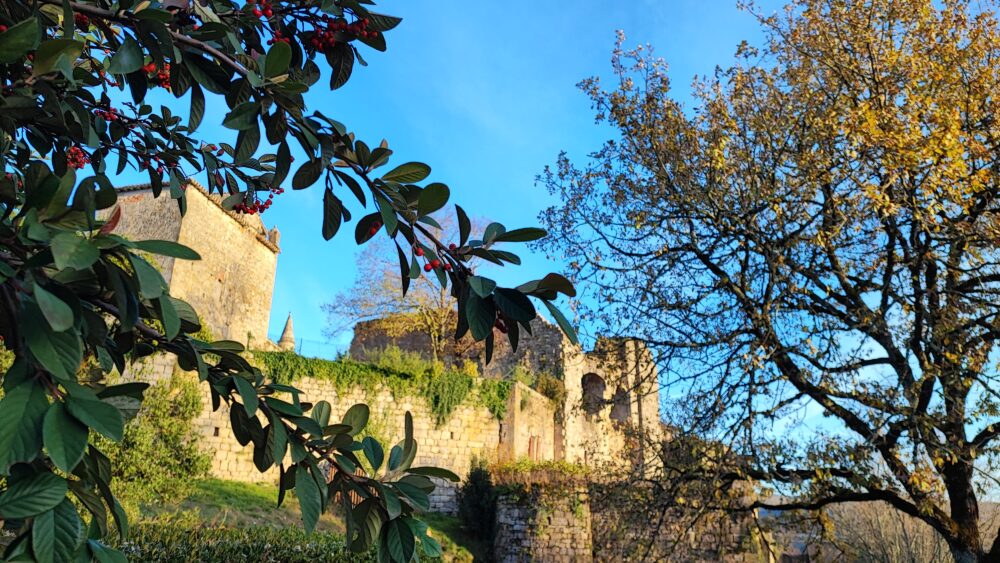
(529, 426)
(470, 432)
(543, 525)
(538, 352)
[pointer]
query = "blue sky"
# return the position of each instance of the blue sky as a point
(486, 96)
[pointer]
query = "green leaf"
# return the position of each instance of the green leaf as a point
(243, 116)
(382, 22)
(464, 226)
(102, 417)
(522, 235)
(277, 438)
(408, 173)
(332, 214)
(564, 324)
(321, 413)
(57, 54)
(555, 282)
(310, 500)
(197, 107)
(399, 541)
(493, 230)
(481, 315)
(56, 311)
(65, 438)
(18, 40)
(127, 58)
(167, 248)
(373, 451)
(438, 472)
(32, 495)
(58, 352)
(307, 174)
(248, 394)
(22, 411)
(277, 60)
(514, 304)
(151, 284)
(432, 198)
(56, 533)
(357, 418)
(72, 251)
(482, 286)
(168, 315)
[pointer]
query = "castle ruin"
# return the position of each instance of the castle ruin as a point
(610, 392)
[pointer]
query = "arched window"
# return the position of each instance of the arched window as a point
(593, 393)
(620, 407)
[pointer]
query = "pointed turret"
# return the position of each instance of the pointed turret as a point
(287, 340)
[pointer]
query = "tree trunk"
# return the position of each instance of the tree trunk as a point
(967, 545)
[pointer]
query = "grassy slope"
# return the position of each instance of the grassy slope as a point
(230, 503)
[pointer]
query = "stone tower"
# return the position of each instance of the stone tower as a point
(287, 340)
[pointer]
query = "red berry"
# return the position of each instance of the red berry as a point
(435, 263)
(452, 246)
(268, 13)
(3, 28)
(447, 266)
(419, 251)
(257, 12)
(428, 267)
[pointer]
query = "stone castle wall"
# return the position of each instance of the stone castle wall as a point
(542, 525)
(470, 433)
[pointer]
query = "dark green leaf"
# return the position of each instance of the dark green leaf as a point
(56, 311)
(277, 60)
(321, 413)
(432, 198)
(438, 472)
(514, 304)
(481, 315)
(21, 413)
(73, 251)
(522, 235)
(482, 286)
(564, 324)
(65, 437)
(32, 495)
(310, 499)
(332, 214)
(399, 541)
(373, 451)
(167, 248)
(464, 226)
(243, 116)
(307, 174)
(151, 284)
(101, 416)
(197, 107)
(127, 58)
(248, 394)
(18, 40)
(357, 418)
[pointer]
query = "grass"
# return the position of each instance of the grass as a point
(216, 502)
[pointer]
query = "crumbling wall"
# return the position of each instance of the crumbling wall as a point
(543, 524)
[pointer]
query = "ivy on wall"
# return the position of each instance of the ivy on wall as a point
(443, 390)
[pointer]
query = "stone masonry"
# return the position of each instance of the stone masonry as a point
(543, 525)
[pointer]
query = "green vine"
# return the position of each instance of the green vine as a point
(444, 390)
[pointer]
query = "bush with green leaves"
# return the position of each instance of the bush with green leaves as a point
(159, 453)
(85, 96)
(477, 502)
(166, 542)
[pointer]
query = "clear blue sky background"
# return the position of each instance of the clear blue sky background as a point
(486, 95)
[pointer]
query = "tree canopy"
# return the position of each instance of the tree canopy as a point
(816, 235)
(78, 79)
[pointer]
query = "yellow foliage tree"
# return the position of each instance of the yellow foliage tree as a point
(818, 235)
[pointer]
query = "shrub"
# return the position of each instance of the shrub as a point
(160, 541)
(159, 453)
(477, 502)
